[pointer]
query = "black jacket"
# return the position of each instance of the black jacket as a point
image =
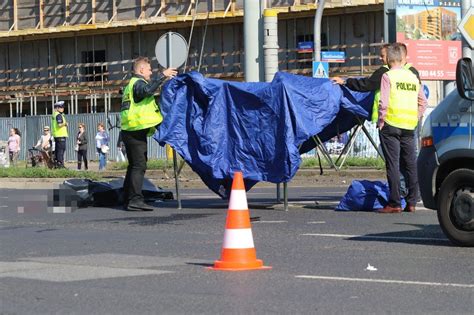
(141, 89)
(82, 141)
(373, 82)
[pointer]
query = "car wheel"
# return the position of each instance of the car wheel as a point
(456, 207)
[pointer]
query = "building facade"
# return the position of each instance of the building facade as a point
(82, 51)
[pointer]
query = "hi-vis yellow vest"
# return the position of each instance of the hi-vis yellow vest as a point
(375, 106)
(138, 116)
(58, 132)
(402, 111)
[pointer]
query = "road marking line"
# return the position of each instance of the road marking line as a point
(270, 222)
(438, 284)
(316, 222)
(378, 237)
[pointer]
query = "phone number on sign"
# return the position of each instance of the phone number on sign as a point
(431, 73)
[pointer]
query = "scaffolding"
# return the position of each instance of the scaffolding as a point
(96, 85)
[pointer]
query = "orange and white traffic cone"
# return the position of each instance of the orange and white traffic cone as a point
(238, 250)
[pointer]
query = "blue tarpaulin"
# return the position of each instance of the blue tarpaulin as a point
(366, 195)
(219, 127)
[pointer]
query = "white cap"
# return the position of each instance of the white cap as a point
(59, 104)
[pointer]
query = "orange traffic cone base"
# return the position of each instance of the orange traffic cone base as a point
(238, 266)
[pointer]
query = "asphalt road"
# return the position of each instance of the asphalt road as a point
(109, 261)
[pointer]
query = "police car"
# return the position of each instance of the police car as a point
(446, 159)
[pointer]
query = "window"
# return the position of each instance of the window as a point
(94, 73)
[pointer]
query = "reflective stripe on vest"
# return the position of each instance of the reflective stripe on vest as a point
(375, 106)
(58, 132)
(402, 111)
(138, 116)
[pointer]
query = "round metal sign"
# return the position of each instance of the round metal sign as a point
(171, 50)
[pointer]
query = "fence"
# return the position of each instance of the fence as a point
(31, 129)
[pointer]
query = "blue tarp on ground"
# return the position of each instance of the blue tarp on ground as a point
(220, 127)
(366, 195)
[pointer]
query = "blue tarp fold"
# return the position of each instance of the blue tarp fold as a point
(366, 195)
(220, 127)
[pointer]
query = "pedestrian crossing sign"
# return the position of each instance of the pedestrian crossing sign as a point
(320, 69)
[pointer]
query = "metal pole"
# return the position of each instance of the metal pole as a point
(175, 166)
(77, 103)
(317, 30)
(251, 40)
(270, 43)
(466, 50)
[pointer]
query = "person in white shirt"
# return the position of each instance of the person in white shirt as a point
(102, 144)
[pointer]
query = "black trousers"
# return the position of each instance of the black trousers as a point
(60, 148)
(82, 156)
(399, 149)
(136, 147)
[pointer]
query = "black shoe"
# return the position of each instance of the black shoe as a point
(139, 206)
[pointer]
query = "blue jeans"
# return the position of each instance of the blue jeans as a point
(102, 159)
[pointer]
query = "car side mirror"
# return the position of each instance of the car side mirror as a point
(465, 79)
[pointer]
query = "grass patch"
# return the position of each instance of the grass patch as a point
(41, 172)
(376, 163)
(155, 164)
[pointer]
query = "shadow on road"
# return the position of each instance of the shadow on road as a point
(424, 235)
(155, 220)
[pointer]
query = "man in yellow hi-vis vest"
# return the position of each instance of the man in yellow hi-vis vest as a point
(372, 83)
(402, 103)
(140, 115)
(60, 134)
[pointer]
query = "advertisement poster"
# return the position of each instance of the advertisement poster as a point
(429, 29)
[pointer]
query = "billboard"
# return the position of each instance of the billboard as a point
(429, 29)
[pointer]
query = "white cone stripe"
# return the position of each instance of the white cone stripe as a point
(238, 238)
(238, 200)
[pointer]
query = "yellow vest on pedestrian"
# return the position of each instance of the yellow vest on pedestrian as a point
(402, 111)
(58, 132)
(138, 116)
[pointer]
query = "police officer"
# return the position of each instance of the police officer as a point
(140, 115)
(372, 83)
(402, 103)
(59, 128)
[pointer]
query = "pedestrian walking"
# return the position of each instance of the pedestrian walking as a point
(81, 144)
(45, 145)
(140, 115)
(102, 145)
(14, 145)
(402, 103)
(60, 133)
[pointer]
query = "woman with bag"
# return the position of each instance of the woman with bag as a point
(102, 144)
(81, 146)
